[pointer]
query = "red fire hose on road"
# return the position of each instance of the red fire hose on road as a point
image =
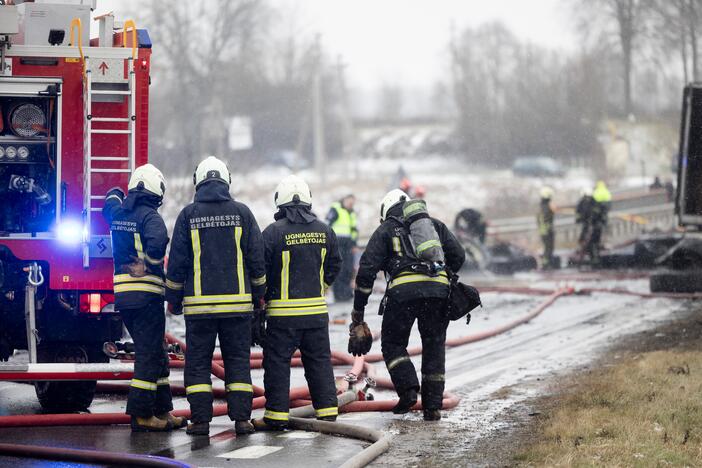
(358, 366)
(553, 297)
(300, 396)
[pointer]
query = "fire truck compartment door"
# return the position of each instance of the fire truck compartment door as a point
(100, 247)
(16, 86)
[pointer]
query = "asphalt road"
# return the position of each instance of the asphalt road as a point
(490, 377)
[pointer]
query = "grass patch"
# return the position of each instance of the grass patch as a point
(644, 411)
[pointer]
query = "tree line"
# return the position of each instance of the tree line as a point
(514, 98)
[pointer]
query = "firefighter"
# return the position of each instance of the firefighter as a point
(139, 240)
(216, 273)
(302, 261)
(342, 219)
(600, 216)
(544, 219)
(583, 216)
(415, 291)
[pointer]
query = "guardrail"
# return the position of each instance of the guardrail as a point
(625, 223)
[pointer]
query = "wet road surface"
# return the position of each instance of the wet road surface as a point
(570, 333)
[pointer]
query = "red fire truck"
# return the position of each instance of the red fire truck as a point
(73, 124)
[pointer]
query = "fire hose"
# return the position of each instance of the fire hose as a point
(299, 396)
(358, 366)
(88, 456)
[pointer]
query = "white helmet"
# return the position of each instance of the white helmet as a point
(211, 168)
(148, 178)
(292, 189)
(392, 198)
(546, 193)
(586, 192)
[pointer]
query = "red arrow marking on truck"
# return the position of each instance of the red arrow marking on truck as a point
(103, 67)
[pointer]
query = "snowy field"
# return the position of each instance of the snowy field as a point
(450, 186)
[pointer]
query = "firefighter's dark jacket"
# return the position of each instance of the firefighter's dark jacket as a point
(139, 236)
(302, 261)
(583, 210)
(215, 265)
(387, 250)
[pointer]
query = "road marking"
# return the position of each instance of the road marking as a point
(298, 435)
(251, 452)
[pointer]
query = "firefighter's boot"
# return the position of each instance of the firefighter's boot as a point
(198, 429)
(407, 400)
(176, 422)
(262, 425)
(151, 424)
(432, 415)
(244, 427)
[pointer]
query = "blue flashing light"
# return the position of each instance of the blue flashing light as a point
(70, 232)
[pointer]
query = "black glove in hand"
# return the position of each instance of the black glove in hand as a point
(115, 191)
(175, 309)
(360, 339)
(258, 325)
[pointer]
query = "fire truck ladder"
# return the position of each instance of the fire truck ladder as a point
(104, 164)
(108, 88)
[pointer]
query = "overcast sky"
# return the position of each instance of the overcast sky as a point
(404, 41)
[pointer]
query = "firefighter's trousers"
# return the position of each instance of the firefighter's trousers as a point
(235, 344)
(593, 247)
(548, 240)
(150, 391)
(398, 319)
(314, 347)
(342, 285)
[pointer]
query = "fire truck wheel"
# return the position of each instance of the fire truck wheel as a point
(676, 281)
(61, 397)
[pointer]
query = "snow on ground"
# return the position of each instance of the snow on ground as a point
(451, 186)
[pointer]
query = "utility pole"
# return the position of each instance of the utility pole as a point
(348, 135)
(320, 156)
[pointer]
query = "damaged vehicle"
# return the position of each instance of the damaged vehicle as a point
(501, 258)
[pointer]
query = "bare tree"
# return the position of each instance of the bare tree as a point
(198, 42)
(623, 20)
(516, 99)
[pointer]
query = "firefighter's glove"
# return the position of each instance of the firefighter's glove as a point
(360, 339)
(116, 191)
(136, 269)
(175, 309)
(258, 324)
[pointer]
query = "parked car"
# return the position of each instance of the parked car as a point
(538, 166)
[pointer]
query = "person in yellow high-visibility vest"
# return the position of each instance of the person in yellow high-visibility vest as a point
(342, 219)
(600, 216)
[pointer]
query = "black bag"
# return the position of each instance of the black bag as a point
(462, 299)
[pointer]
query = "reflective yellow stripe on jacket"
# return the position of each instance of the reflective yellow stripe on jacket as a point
(297, 307)
(322, 285)
(150, 283)
(217, 304)
(197, 270)
(138, 245)
(419, 278)
(285, 275)
(239, 260)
